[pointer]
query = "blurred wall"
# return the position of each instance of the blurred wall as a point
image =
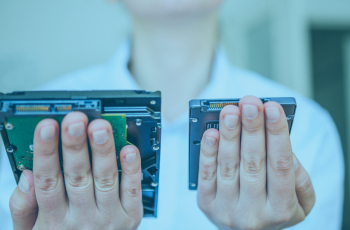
(41, 40)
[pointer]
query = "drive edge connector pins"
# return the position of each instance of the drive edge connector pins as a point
(220, 105)
(32, 108)
(63, 108)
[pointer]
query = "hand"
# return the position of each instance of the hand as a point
(85, 197)
(249, 177)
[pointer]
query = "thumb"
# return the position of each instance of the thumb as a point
(23, 204)
(303, 187)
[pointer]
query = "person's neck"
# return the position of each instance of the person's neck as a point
(175, 58)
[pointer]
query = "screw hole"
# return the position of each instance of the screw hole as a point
(197, 142)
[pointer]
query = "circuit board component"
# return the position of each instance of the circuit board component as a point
(22, 131)
(21, 138)
(118, 123)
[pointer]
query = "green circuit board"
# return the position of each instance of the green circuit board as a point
(22, 133)
(118, 123)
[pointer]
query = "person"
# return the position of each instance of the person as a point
(263, 180)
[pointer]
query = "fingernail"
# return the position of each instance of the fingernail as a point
(231, 121)
(272, 114)
(250, 111)
(296, 163)
(100, 137)
(47, 133)
(130, 157)
(76, 130)
(23, 184)
(210, 141)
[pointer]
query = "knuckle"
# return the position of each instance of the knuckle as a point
(78, 180)
(104, 149)
(204, 204)
(304, 186)
(208, 154)
(106, 183)
(133, 224)
(47, 183)
(132, 192)
(228, 171)
(20, 211)
(251, 225)
(74, 147)
(251, 129)
(47, 150)
(253, 166)
(283, 165)
(231, 136)
(132, 170)
(208, 173)
(276, 130)
(224, 221)
(284, 216)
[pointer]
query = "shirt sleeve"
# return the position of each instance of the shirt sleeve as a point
(321, 155)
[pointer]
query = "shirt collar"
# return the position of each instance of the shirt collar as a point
(118, 71)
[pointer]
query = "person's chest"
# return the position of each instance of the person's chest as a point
(177, 205)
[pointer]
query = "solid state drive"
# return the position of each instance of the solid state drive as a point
(204, 114)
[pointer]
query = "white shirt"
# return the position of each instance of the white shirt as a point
(314, 137)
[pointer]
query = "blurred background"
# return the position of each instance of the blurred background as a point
(303, 44)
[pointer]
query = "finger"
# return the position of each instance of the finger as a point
(130, 186)
(48, 179)
(104, 166)
(303, 187)
(280, 169)
(228, 156)
(76, 163)
(207, 169)
(23, 205)
(253, 155)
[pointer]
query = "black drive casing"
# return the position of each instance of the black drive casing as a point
(135, 104)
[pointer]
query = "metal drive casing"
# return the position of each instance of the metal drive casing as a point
(204, 114)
